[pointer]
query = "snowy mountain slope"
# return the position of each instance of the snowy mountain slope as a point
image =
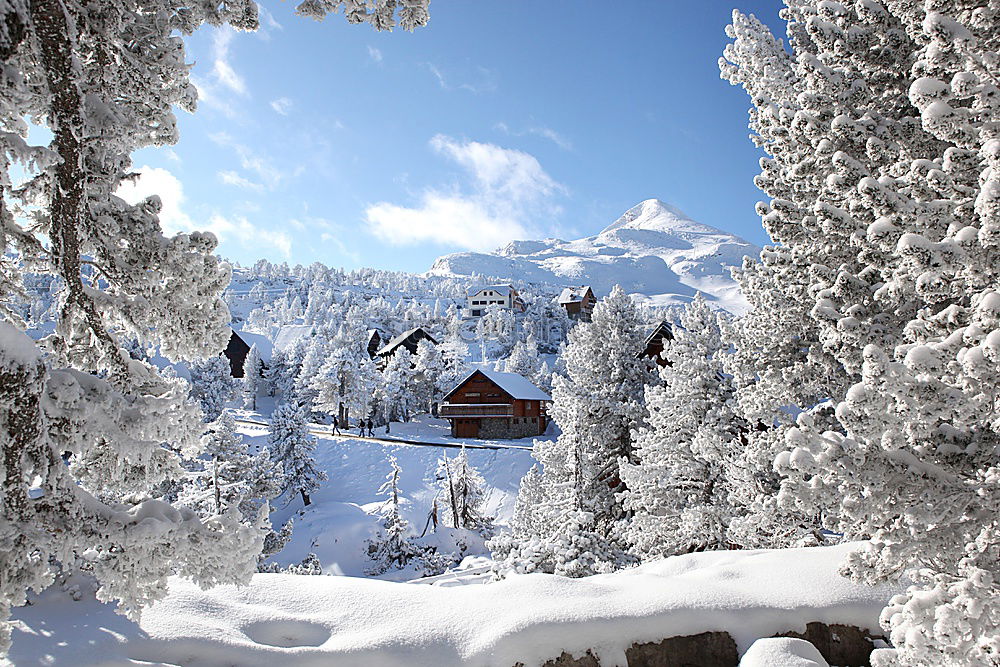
(654, 250)
(343, 515)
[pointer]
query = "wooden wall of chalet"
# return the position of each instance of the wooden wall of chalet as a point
(480, 389)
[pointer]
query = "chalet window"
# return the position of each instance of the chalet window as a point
(472, 393)
(492, 395)
(534, 420)
(530, 406)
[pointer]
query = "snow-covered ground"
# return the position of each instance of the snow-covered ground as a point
(344, 515)
(300, 620)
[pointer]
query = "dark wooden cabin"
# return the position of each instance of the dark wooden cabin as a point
(494, 405)
(661, 334)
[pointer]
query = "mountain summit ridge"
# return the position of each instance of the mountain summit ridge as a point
(653, 250)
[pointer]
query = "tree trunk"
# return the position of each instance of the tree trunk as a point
(305, 499)
(67, 207)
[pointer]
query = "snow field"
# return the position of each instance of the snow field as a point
(301, 621)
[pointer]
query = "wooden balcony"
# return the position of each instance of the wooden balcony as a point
(476, 410)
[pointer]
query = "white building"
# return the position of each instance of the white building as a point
(478, 298)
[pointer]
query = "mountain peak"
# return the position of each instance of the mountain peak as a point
(657, 215)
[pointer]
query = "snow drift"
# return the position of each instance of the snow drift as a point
(321, 620)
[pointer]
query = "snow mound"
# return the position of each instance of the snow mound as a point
(783, 651)
(653, 249)
(284, 619)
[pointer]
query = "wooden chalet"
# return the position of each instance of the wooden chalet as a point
(407, 339)
(239, 347)
(660, 335)
(578, 302)
(374, 342)
(478, 299)
(494, 405)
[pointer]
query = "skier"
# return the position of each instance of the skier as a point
(334, 430)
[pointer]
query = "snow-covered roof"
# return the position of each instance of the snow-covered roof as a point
(391, 346)
(288, 335)
(504, 290)
(265, 348)
(519, 387)
(663, 329)
(573, 294)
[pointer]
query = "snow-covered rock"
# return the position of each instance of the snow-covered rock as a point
(654, 250)
(783, 651)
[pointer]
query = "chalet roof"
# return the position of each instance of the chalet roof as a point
(574, 294)
(662, 330)
(288, 335)
(519, 387)
(265, 348)
(391, 346)
(504, 290)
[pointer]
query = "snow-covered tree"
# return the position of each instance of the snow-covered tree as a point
(884, 178)
(430, 367)
(347, 378)
(231, 476)
(395, 393)
(83, 397)
(395, 548)
(291, 446)
(212, 385)
(690, 452)
(464, 493)
(524, 361)
(453, 360)
(253, 377)
(598, 406)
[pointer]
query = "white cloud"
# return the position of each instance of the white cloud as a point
(250, 160)
(538, 131)
(502, 173)
(509, 188)
(173, 219)
(282, 105)
(375, 54)
(267, 23)
(447, 220)
(485, 81)
(240, 230)
(232, 178)
(224, 72)
(157, 181)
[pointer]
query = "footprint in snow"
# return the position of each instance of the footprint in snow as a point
(287, 633)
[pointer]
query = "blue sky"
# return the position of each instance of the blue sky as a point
(499, 120)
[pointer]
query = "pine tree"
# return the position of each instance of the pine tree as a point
(598, 406)
(395, 548)
(253, 371)
(429, 365)
(463, 489)
(231, 476)
(212, 385)
(885, 207)
(346, 380)
(292, 447)
(689, 453)
(395, 393)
